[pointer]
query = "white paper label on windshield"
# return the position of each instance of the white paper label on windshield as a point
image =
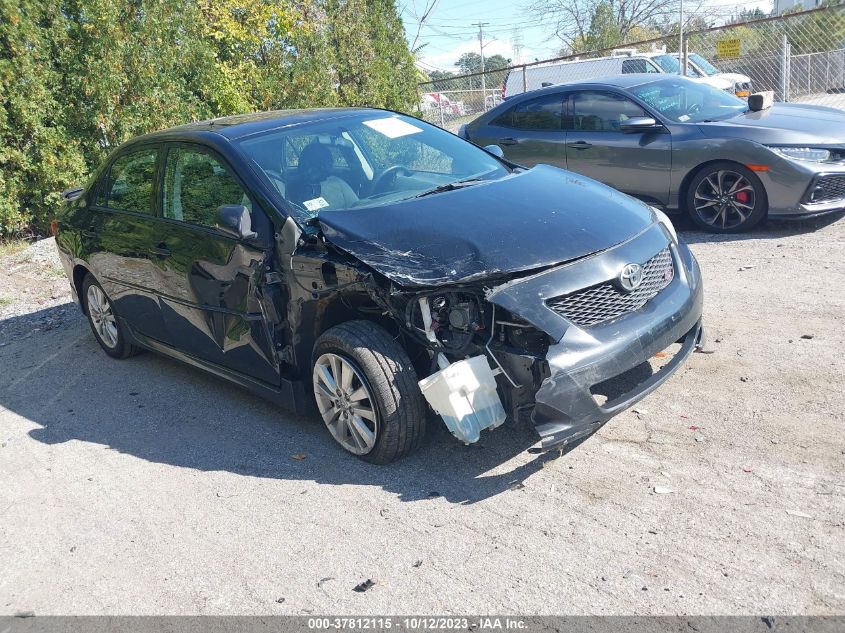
(316, 204)
(392, 128)
(683, 117)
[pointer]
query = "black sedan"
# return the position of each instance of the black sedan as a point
(367, 263)
(680, 145)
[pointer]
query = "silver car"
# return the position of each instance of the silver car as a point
(681, 146)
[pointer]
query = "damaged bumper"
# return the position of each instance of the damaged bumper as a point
(586, 357)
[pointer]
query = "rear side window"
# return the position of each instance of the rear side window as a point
(542, 113)
(129, 184)
(639, 66)
(196, 185)
(602, 111)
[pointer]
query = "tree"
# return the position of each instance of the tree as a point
(572, 19)
(78, 77)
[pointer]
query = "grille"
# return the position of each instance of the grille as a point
(828, 188)
(606, 301)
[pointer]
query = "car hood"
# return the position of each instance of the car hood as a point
(527, 220)
(785, 124)
(734, 78)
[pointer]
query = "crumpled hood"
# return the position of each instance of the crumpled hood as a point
(524, 221)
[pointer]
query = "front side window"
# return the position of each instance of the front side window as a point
(129, 184)
(196, 185)
(602, 111)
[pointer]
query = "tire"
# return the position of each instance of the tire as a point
(382, 385)
(107, 328)
(726, 197)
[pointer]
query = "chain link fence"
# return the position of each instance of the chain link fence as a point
(800, 57)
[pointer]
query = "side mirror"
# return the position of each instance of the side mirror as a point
(234, 219)
(639, 124)
(497, 151)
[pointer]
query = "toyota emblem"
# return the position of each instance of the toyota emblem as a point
(631, 277)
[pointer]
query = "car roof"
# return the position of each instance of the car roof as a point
(240, 125)
(614, 81)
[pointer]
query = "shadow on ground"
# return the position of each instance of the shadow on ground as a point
(158, 410)
(767, 230)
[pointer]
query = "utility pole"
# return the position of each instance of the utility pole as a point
(682, 71)
(481, 26)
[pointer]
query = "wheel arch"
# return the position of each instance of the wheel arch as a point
(78, 276)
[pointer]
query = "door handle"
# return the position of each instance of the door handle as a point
(580, 145)
(508, 141)
(161, 250)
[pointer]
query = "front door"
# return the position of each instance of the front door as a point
(211, 283)
(638, 164)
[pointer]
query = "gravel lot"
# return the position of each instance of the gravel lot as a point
(143, 486)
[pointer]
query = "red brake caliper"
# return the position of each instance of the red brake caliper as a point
(742, 196)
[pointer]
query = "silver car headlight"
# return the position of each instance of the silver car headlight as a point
(811, 154)
(665, 221)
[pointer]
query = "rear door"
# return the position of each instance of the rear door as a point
(529, 132)
(122, 236)
(211, 284)
(638, 164)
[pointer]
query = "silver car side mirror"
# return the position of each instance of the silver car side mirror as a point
(639, 124)
(495, 150)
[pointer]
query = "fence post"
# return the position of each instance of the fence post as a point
(785, 69)
(524, 79)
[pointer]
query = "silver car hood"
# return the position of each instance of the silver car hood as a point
(784, 124)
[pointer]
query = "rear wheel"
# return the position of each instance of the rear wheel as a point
(107, 329)
(726, 197)
(367, 393)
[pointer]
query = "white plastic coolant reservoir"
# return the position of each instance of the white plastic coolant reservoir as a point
(464, 394)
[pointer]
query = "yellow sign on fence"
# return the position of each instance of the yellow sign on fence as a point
(728, 49)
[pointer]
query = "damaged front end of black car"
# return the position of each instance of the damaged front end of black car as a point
(539, 296)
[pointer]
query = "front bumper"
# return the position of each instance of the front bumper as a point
(565, 409)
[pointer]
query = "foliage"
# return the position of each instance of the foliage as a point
(78, 77)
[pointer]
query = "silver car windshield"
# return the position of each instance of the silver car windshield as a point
(352, 162)
(685, 101)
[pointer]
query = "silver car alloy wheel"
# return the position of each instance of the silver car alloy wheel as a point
(346, 404)
(102, 316)
(724, 199)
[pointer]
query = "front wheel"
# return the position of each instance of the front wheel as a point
(726, 197)
(366, 390)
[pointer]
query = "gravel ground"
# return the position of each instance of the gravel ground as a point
(143, 486)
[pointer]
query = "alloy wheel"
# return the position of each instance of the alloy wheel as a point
(345, 403)
(724, 199)
(102, 316)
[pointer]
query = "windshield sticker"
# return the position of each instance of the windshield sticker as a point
(683, 117)
(392, 128)
(316, 204)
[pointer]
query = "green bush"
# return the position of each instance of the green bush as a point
(79, 77)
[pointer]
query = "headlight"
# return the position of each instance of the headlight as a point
(665, 221)
(812, 154)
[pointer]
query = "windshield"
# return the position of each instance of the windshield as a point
(351, 162)
(703, 64)
(671, 65)
(685, 101)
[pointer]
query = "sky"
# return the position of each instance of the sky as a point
(513, 31)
